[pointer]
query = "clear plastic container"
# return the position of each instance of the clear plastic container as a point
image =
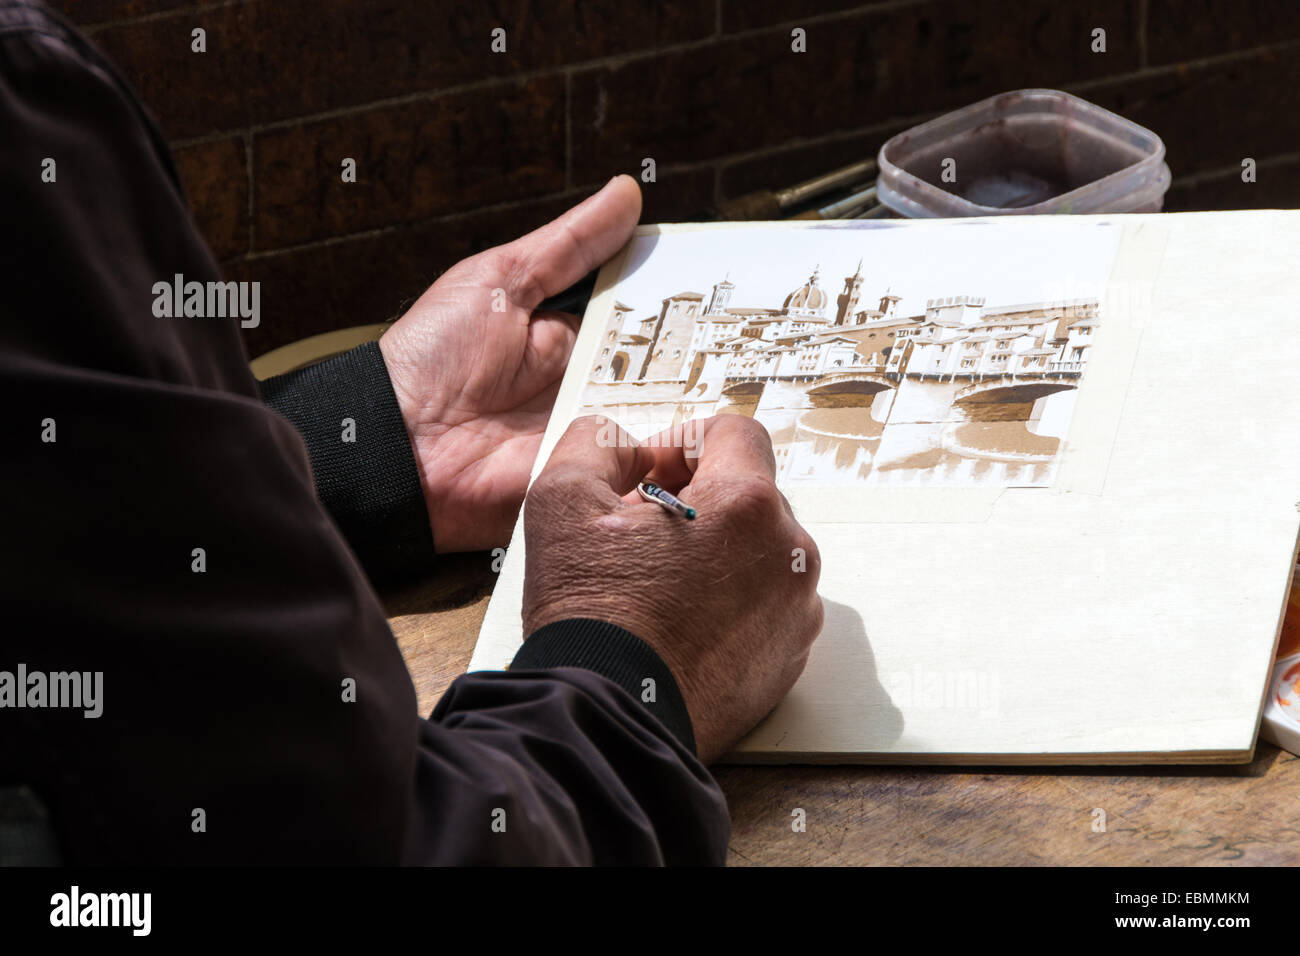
(1025, 153)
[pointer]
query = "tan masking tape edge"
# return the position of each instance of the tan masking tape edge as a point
(1085, 459)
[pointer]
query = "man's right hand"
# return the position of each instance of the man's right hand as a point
(729, 600)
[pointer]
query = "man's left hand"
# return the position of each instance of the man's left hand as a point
(476, 369)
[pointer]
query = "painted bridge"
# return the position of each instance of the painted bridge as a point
(1020, 386)
(867, 374)
(1057, 377)
(911, 396)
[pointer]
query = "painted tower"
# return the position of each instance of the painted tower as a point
(848, 299)
(614, 362)
(888, 303)
(721, 297)
(672, 336)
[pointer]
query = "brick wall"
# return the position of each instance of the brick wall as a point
(458, 147)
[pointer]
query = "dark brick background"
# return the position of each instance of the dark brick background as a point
(459, 148)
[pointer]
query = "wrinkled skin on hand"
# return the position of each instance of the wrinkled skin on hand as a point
(476, 369)
(726, 600)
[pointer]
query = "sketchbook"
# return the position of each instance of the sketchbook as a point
(1052, 465)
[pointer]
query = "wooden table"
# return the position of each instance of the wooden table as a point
(1248, 814)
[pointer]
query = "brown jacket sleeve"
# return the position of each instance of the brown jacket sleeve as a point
(162, 531)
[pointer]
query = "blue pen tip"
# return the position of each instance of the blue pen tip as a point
(690, 514)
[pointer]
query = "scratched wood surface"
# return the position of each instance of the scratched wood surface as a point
(1240, 815)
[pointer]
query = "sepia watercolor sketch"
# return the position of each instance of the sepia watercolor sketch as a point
(855, 386)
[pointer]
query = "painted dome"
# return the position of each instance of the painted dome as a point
(807, 298)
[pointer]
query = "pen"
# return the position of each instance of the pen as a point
(652, 492)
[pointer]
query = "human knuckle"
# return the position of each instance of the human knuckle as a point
(758, 437)
(752, 497)
(808, 547)
(506, 262)
(754, 430)
(548, 486)
(554, 489)
(816, 619)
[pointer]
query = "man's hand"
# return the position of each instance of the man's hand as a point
(729, 600)
(476, 370)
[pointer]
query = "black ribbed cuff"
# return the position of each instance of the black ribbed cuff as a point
(614, 653)
(370, 486)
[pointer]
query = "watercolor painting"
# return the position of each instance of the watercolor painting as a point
(854, 384)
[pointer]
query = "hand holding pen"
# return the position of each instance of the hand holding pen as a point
(728, 600)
